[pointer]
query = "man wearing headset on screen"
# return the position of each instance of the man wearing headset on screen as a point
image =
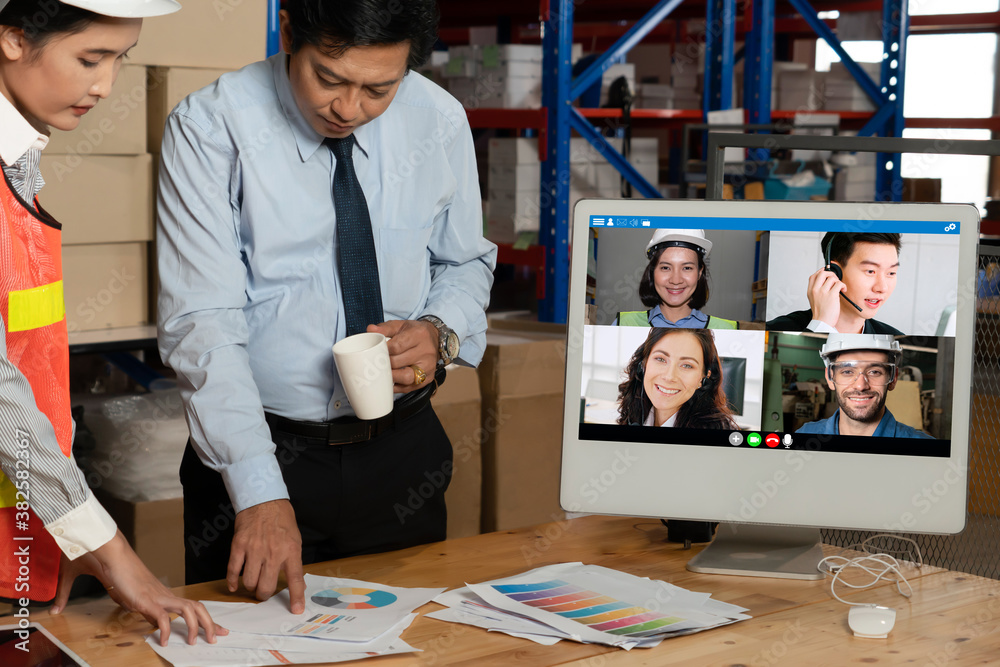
(858, 277)
(861, 371)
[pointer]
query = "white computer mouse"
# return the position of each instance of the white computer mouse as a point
(871, 621)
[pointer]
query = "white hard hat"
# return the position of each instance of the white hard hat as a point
(841, 342)
(684, 238)
(126, 9)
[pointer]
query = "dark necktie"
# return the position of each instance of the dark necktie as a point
(356, 262)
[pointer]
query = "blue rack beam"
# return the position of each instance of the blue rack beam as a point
(895, 29)
(557, 71)
(720, 42)
(758, 69)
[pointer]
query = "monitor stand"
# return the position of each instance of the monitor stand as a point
(784, 552)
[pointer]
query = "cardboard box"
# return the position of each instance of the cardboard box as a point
(116, 126)
(206, 33)
(457, 404)
(922, 189)
(521, 380)
(155, 529)
(100, 198)
(168, 86)
(106, 285)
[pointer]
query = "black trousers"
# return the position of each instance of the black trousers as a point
(369, 497)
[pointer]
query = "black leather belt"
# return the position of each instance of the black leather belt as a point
(347, 430)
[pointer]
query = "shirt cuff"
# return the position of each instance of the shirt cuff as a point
(254, 481)
(83, 529)
(819, 326)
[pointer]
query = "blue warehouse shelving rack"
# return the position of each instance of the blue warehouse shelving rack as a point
(758, 24)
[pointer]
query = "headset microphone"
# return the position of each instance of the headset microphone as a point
(837, 271)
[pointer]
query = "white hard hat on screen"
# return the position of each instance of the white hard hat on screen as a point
(681, 238)
(841, 342)
(126, 9)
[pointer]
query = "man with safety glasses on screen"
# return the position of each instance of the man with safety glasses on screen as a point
(861, 369)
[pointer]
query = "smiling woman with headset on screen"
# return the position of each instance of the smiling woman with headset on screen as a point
(57, 60)
(675, 283)
(675, 379)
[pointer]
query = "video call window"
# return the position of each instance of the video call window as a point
(857, 325)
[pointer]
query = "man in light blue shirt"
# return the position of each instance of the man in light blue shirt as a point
(251, 300)
(861, 371)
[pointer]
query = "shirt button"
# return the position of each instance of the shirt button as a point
(74, 550)
(337, 405)
(58, 532)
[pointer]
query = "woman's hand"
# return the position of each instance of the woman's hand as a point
(133, 586)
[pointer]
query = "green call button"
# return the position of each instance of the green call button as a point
(754, 439)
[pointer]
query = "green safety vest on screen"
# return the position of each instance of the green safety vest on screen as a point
(640, 318)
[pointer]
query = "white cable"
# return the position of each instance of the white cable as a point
(876, 565)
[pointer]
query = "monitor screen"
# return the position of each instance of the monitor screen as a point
(799, 363)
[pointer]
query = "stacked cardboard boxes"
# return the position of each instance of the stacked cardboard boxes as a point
(843, 93)
(802, 90)
(515, 198)
(457, 404)
(857, 182)
(505, 76)
(497, 76)
(99, 185)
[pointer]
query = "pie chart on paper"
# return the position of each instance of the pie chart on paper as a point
(353, 598)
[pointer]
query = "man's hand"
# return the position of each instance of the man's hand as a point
(824, 296)
(267, 541)
(414, 342)
(134, 587)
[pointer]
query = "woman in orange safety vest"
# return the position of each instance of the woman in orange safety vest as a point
(57, 60)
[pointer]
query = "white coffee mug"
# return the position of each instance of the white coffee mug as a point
(363, 363)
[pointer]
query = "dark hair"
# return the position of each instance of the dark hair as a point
(41, 20)
(707, 408)
(334, 27)
(839, 246)
(647, 288)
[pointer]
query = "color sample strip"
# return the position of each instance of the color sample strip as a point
(545, 603)
(627, 621)
(582, 604)
(593, 611)
(506, 589)
(548, 593)
(625, 612)
(644, 627)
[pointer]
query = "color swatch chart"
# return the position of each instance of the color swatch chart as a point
(595, 610)
(319, 624)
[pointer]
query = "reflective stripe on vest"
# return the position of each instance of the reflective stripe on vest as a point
(719, 323)
(640, 318)
(36, 307)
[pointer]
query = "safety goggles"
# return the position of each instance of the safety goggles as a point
(848, 372)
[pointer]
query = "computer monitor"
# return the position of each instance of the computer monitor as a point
(761, 411)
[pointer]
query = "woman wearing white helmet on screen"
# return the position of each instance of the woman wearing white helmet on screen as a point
(57, 60)
(674, 285)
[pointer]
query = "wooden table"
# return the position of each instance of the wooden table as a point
(952, 618)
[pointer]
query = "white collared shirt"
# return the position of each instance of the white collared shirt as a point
(651, 419)
(20, 148)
